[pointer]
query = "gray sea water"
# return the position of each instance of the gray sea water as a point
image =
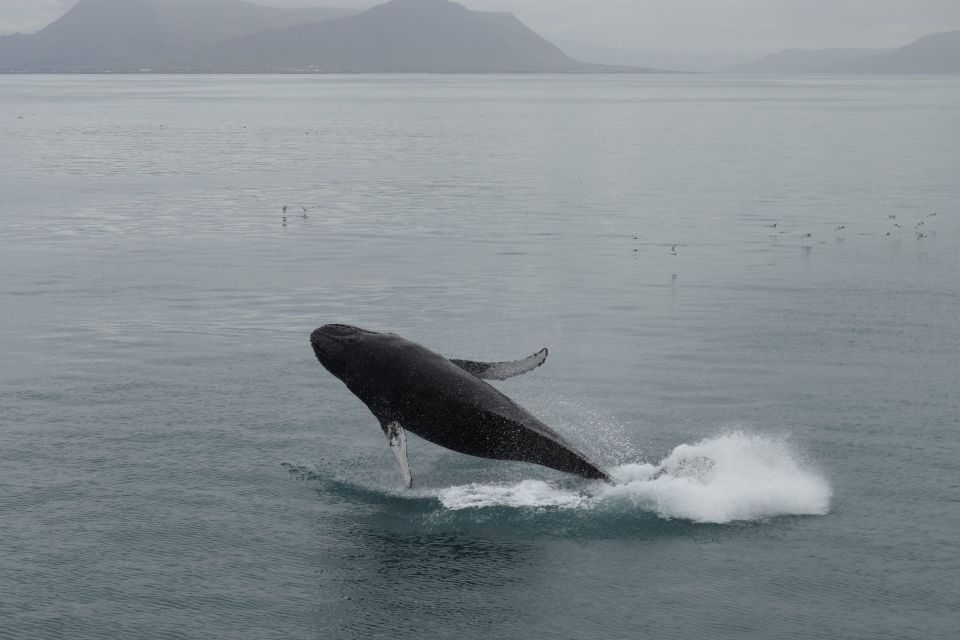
(174, 463)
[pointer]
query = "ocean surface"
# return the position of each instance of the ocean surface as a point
(175, 463)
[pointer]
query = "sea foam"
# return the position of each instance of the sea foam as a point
(735, 476)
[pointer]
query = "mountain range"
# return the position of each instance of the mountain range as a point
(936, 53)
(238, 36)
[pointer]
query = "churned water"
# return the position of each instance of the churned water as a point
(753, 283)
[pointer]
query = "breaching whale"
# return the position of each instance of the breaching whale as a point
(407, 387)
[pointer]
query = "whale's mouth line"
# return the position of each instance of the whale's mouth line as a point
(340, 334)
(337, 331)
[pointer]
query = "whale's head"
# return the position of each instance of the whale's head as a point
(337, 345)
(375, 366)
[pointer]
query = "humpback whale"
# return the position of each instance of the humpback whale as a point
(448, 402)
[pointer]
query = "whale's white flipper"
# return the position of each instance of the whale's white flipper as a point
(502, 370)
(397, 438)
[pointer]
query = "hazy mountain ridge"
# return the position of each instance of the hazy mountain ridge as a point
(207, 23)
(803, 60)
(935, 53)
(238, 36)
(93, 34)
(650, 58)
(402, 35)
(127, 35)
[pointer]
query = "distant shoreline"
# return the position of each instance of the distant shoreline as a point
(352, 73)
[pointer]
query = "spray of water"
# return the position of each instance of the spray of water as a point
(735, 476)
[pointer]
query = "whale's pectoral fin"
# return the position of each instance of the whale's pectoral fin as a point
(397, 438)
(502, 370)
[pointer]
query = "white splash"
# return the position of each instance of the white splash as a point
(736, 476)
(751, 477)
(529, 493)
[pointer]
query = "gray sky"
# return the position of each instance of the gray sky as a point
(697, 26)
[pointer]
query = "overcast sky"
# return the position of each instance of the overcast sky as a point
(697, 26)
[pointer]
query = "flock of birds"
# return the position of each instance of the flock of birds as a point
(919, 229)
(283, 210)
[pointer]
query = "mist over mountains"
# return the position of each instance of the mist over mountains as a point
(238, 36)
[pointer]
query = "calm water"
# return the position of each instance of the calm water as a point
(174, 463)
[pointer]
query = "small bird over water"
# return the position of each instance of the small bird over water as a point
(921, 236)
(774, 225)
(673, 250)
(841, 227)
(284, 209)
(806, 236)
(891, 217)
